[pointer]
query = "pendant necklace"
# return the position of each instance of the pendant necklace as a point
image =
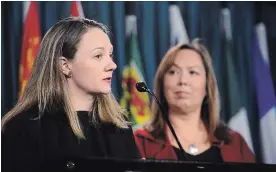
(193, 149)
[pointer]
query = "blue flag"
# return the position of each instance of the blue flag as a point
(265, 96)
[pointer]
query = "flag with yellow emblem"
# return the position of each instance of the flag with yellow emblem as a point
(137, 103)
(30, 44)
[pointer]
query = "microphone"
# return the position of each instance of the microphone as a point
(142, 87)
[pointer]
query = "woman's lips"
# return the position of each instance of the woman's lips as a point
(108, 80)
(182, 94)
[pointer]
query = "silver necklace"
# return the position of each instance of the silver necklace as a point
(193, 149)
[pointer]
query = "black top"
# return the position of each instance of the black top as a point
(26, 143)
(210, 155)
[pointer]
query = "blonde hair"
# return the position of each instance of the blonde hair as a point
(47, 86)
(210, 109)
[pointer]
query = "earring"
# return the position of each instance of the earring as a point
(69, 75)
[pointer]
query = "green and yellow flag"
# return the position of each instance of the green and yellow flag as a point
(137, 103)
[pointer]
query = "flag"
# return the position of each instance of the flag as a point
(30, 44)
(136, 102)
(265, 95)
(76, 9)
(178, 30)
(233, 105)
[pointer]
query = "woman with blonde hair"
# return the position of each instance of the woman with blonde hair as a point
(67, 108)
(185, 84)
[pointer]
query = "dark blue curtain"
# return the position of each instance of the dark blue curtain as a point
(202, 20)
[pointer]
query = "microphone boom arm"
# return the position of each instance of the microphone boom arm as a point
(183, 153)
(142, 87)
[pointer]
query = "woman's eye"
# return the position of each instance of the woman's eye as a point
(99, 56)
(172, 72)
(194, 73)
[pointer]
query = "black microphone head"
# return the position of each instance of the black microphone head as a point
(141, 87)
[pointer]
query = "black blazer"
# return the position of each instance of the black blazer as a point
(27, 143)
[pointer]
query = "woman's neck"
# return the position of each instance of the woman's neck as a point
(82, 103)
(188, 123)
(80, 100)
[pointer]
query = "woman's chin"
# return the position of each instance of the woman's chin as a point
(106, 91)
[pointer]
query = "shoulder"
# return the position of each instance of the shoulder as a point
(26, 115)
(236, 137)
(29, 122)
(239, 146)
(144, 133)
(20, 133)
(141, 132)
(21, 121)
(21, 142)
(228, 135)
(149, 145)
(224, 133)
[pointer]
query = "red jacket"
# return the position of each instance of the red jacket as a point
(149, 147)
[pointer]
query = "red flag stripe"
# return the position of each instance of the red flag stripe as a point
(30, 43)
(76, 9)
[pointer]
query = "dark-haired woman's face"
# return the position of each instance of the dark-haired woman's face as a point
(185, 82)
(92, 66)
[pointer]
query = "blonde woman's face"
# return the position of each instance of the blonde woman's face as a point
(93, 65)
(185, 82)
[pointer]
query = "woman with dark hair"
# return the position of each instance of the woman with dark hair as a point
(186, 85)
(67, 108)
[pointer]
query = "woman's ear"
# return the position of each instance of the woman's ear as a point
(65, 66)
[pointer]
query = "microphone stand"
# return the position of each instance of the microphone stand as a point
(141, 87)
